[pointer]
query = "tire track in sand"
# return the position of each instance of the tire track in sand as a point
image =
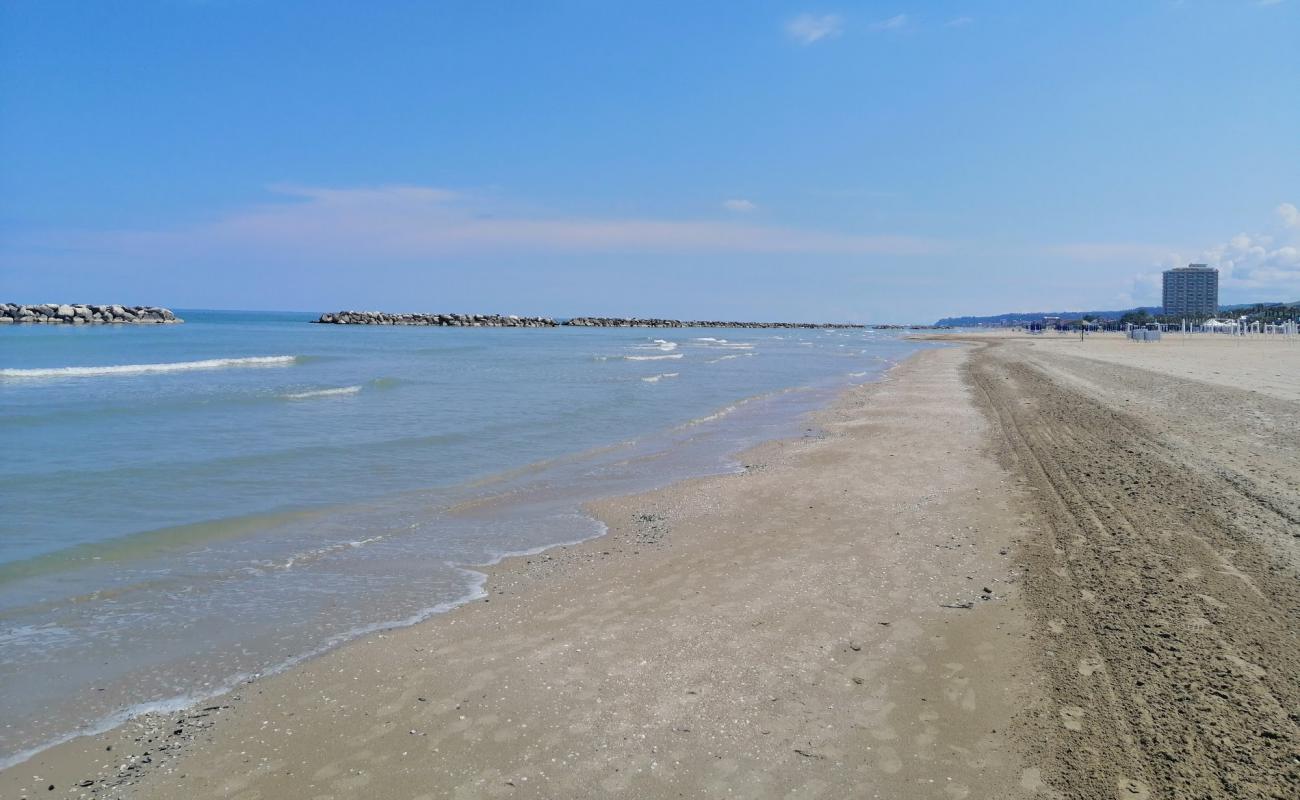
(1168, 633)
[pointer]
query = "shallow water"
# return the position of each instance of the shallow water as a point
(187, 506)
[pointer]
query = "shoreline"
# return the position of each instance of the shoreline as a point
(635, 532)
(934, 592)
(157, 713)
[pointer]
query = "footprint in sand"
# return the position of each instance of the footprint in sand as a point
(1132, 789)
(1253, 670)
(1032, 779)
(888, 761)
(1212, 602)
(1090, 664)
(1072, 718)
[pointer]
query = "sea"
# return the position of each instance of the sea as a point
(186, 507)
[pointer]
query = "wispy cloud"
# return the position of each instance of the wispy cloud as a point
(1289, 214)
(808, 28)
(894, 23)
(1252, 266)
(1108, 251)
(1268, 261)
(404, 223)
(959, 22)
(740, 204)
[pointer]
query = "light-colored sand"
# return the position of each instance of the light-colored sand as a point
(778, 633)
(803, 630)
(1265, 364)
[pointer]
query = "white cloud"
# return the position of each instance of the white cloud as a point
(1290, 215)
(1260, 266)
(1259, 263)
(809, 28)
(415, 223)
(740, 204)
(959, 22)
(1256, 266)
(892, 24)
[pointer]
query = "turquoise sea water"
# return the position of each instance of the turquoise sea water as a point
(183, 507)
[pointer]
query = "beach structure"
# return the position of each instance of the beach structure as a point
(1192, 290)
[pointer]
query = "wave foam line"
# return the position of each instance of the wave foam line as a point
(709, 341)
(342, 390)
(183, 702)
(652, 358)
(660, 376)
(726, 358)
(148, 369)
(188, 701)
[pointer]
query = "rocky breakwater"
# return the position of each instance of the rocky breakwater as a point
(499, 321)
(440, 320)
(634, 322)
(78, 314)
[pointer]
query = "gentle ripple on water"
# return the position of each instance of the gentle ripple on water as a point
(189, 506)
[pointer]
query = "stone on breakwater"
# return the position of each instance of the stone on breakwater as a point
(84, 314)
(634, 322)
(440, 320)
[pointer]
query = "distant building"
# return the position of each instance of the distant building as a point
(1192, 291)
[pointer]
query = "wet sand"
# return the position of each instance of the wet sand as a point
(1009, 569)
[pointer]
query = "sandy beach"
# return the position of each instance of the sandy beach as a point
(1014, 567)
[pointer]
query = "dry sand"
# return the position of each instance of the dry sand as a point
(1015, 569)
(1265, 364)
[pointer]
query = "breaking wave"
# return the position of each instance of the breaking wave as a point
(339, 392)
(118, 370)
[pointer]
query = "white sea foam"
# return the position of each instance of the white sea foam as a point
(660, 376)
(148, 369)
(709, 341)
(340, 391)
(733, 355)
(183, 702)
(664, 344)
(652, 358)
(716, 415)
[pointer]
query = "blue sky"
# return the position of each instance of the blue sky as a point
(876, 161)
